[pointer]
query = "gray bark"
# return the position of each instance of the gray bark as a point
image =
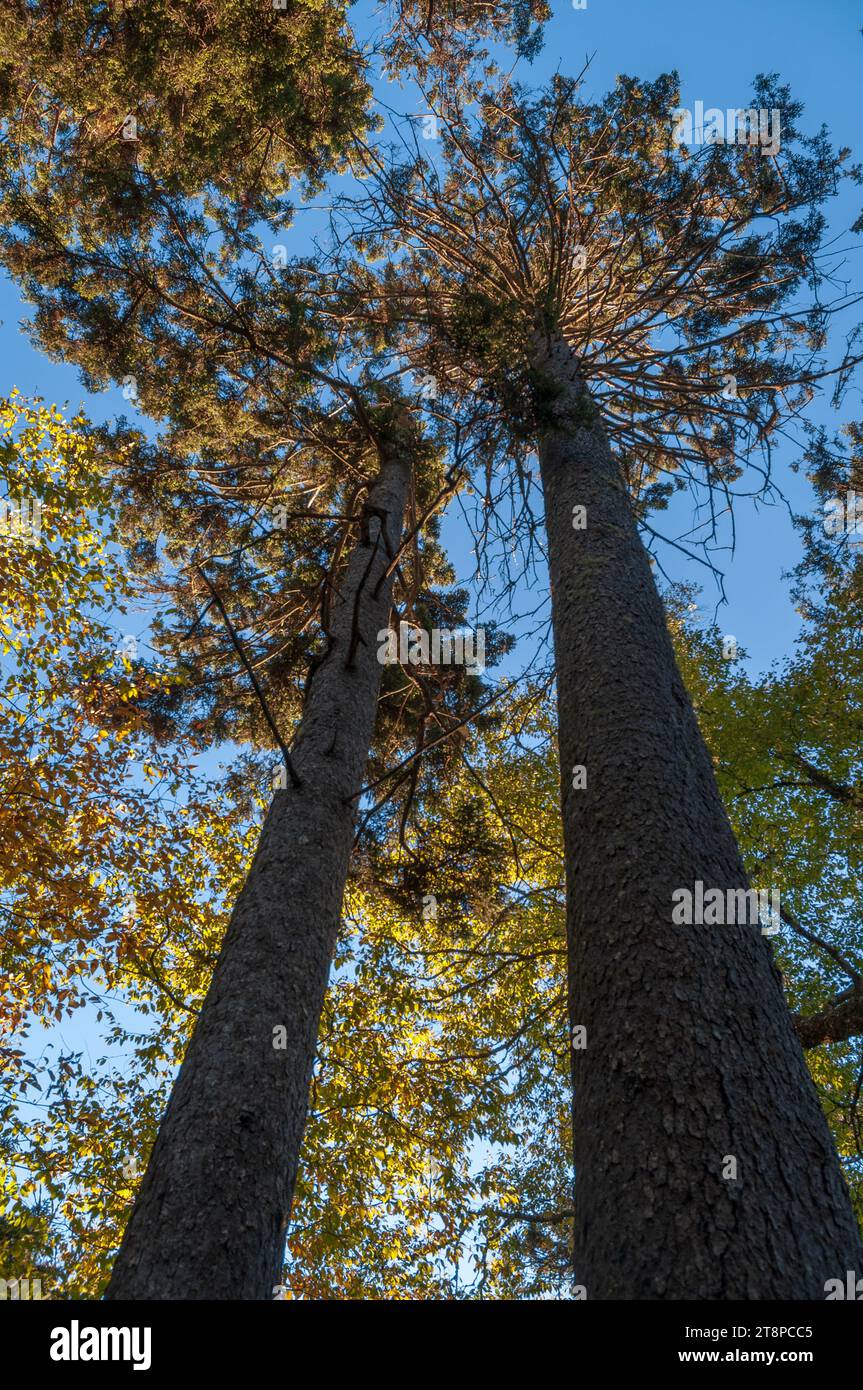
(211, 1216)
(841, 1020)
(691, 1055)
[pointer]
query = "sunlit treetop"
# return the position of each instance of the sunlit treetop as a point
(230, 97)
(142, 145)
(145, 150)
(140, 245)
(689, 282)
(437, 40)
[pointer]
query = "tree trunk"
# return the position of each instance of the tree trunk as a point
(212, 1213)
(704, 1167)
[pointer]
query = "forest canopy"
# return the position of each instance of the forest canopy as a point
(366, 691)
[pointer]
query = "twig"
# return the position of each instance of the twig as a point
(291, 770)
(468, 719)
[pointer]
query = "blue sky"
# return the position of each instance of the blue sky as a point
(717, 51)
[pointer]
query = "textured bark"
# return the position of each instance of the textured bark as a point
(691, 1055)
(212, 1213)
(841, 1020)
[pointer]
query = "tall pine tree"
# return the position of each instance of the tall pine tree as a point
(643, 317)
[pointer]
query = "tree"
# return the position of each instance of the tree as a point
(61, 761)
(605, 291)
(586, 281)
(134, 150)
(787, 762)
(246, 1074)
(439, 1126)
(132, 861)
(138, 170)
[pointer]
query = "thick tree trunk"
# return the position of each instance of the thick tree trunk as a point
(212, 1213)
(691, 1069)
